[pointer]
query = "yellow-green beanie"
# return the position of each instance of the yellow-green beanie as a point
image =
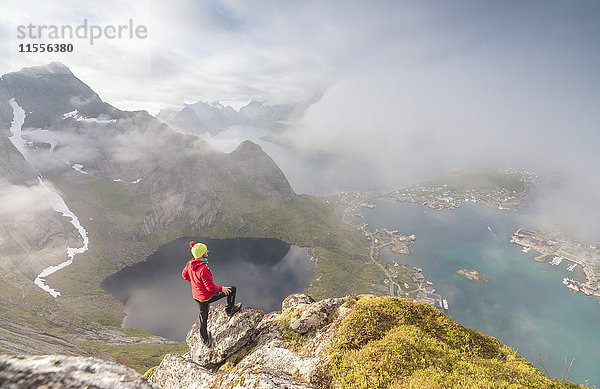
(198, 249)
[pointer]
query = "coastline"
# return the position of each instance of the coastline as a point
(549, 244)
(398, 243)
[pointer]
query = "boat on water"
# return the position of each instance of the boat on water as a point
(556, 261)
(576, 287)
(445, 304)
(573, 287)
(396, 264)
(526, 249)
(429, 282)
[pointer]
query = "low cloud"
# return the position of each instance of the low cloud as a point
(18, 201)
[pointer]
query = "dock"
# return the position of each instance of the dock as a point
(542, 258)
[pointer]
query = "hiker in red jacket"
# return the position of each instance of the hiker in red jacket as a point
(204, 289)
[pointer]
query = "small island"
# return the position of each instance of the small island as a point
(474, 275)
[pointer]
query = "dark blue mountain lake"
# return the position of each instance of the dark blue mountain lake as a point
(157, 299)
(526, 306)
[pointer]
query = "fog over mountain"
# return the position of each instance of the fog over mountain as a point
(408, 89)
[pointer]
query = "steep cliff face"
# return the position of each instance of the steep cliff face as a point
(350, 342)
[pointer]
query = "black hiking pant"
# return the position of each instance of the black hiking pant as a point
(204, 306)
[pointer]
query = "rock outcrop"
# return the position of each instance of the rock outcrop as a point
(229, 334)
(53, 371)
(253, 349)
(352, 342)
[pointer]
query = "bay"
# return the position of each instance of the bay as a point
(526, 306)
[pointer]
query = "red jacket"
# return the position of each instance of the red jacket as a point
(198, 273)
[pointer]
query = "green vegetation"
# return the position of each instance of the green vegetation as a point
(478, 179)
(387, 342)
(139, 356)
(149, 372)
(336, 275)
(123, 207)
(81, 291)
(342, 263)
(302, 220)
(28, 305)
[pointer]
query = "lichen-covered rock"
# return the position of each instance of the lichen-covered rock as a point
(323, 340)
(283, 361)
(229, 334)
(54, 371)
(268, 368)
(257, 377)
(316, 315)
(295, 299)
(176, 372)
(269, 353)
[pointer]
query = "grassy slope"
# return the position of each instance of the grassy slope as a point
(139, 356)
(396, 343)
(31, 307)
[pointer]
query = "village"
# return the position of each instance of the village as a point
(508, 192)
(556, 245)
(441, 198)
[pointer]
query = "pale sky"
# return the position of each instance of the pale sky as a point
(412, 86)
(282, 51)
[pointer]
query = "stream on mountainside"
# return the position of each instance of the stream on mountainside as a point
(157, 299)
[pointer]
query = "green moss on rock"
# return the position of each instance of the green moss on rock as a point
(387, 342)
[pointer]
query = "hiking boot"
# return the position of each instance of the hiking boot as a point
(233, 309)
(208, 341)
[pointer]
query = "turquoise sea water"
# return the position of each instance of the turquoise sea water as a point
(526, 306)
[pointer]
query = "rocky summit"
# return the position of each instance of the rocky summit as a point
(254, 349)
(351, 342)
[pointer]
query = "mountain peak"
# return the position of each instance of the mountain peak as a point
(51, 68)
(47, 92)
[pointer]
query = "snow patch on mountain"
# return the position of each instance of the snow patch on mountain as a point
(75, 115)
(78, 167)
(56, 202)
(128, 182)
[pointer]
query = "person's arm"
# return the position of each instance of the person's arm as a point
(185, 274)
(207, 279)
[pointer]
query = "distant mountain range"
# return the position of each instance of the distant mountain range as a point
(202, 117)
